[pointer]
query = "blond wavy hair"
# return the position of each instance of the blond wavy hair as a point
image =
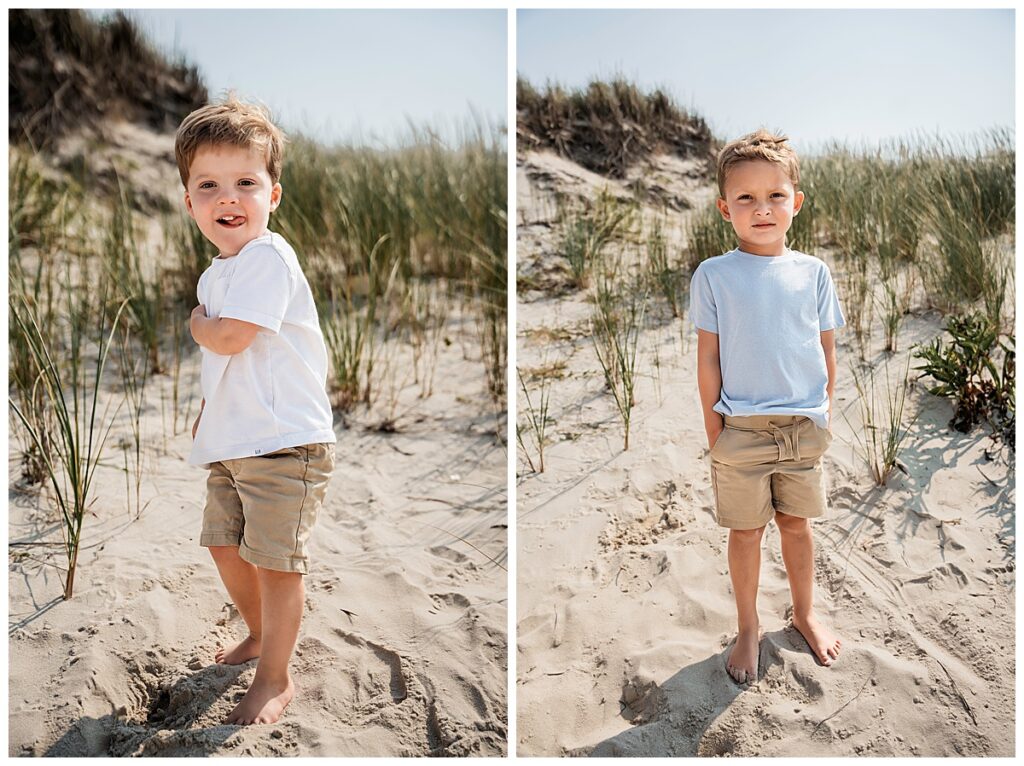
(229, 123)
(762, 144)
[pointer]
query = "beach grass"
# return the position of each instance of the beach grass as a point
(882, 430)
(616, 323)
(537, 419)
(606, 126)
(76, 433)
(663, 274)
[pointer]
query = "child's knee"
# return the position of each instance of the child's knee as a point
(279, 575)
(747, 535)
(223, 552)
(790, 524)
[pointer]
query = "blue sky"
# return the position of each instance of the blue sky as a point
(348, 74)
(857, 75)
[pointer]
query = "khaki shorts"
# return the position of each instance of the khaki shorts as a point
(267, 505)
(767, 463)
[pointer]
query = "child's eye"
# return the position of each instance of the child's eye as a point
(744, 196)
(778, 194)
(246, 182)
(206, 185)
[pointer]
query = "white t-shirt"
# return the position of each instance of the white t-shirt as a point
(769, 313)
(273, 394)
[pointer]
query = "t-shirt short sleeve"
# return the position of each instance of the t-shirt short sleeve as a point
(830, 315)
(703, 311)
(259, 290)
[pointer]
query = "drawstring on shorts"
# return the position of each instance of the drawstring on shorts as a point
(786, 439)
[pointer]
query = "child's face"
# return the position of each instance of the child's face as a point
(230, 195)
(760, 203)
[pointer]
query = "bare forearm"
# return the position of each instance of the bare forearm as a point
(828, 347)
(221, 336)
(709, 383)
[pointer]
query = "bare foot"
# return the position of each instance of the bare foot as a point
(263, 703)
(821, 640)
(742, 662)
(245, 650)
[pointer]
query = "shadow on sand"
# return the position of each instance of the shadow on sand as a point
(166, 721)
(678, 717)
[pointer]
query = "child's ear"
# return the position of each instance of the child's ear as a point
(275, 196)
(723, 208)
(798, 202)
(188, 206)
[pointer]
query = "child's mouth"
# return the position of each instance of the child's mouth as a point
(231, 221)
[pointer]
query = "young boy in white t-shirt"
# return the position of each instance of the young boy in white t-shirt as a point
(766, 369)
(265, 428)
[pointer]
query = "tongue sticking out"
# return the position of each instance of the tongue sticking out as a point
(232, 222)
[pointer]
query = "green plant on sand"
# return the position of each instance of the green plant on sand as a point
(967, 372)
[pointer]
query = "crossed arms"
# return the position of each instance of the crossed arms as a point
(222, 336)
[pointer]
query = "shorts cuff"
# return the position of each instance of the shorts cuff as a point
(790, 511)
(277, 563)
(742, 524)
(207, 539)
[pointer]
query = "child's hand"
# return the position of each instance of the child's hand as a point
(713, 436)
(198, 312)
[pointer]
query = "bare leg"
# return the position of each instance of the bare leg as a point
(243, 585)
(272, 689)
(745, 571)
(798, 556)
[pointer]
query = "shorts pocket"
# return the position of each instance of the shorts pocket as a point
(718, 441)
(814, 440)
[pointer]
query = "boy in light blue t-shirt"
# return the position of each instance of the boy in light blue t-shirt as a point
(766, 368)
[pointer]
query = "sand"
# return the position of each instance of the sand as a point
(403, 645)
(625, 610)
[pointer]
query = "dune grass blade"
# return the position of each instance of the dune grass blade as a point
(615, 332)
(881, 434)
(661, 273)
(134, 377)
(73, 452)
(536, 418)
(122, 257)
(707, 235)
(586, 233)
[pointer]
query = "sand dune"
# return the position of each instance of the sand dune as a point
(403, 645)
(625, 610)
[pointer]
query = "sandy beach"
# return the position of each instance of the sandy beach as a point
(402, 649)
(625, 608)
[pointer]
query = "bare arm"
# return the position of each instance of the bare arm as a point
(709, 382)
(828, 345)
(222, 336)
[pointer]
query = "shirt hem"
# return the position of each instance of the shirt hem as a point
(205, 457)
(820, 418)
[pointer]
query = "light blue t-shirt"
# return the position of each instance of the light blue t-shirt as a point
(768, 312)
